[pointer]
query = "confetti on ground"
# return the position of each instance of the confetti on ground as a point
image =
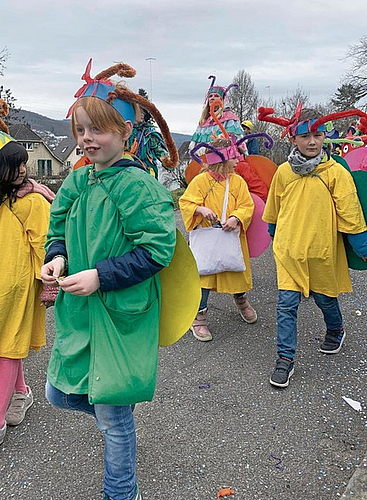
(225, 492)
(356, 405)
(205, 385)
(278, 463)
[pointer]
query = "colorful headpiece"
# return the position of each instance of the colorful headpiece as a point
(121, 99)
(226, 153)
(216, 89)
(294, 127)
(5, 138)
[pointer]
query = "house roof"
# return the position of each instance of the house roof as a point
(65, 147)
(22, 132)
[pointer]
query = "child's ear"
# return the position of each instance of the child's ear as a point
(128, 130)
(293, 140)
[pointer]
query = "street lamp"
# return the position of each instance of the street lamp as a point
(150, 59)
(268, 87)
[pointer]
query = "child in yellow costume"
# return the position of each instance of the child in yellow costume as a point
(201, 204)
(312, 201)
(24, 216)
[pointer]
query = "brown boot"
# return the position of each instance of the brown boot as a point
(199, 327)
(245, 309)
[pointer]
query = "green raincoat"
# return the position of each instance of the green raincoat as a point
(101, 215)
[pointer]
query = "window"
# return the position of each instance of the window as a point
(28, 145)
(78, 152)
(44, 167)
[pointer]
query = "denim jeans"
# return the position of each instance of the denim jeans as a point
(205, 294)
(288, 302)
(117, 425)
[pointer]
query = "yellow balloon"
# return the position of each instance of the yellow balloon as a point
(181, 293)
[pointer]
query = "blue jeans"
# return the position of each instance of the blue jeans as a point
(288, 302)
(205, 295)
(117, 425)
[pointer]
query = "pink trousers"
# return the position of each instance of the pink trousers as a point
(11, 379)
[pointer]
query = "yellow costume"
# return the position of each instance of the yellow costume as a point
(23, 231)
(205, 191)
(310, 213)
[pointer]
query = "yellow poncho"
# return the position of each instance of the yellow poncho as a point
(22, 234)
(310, 213)
(203, 190)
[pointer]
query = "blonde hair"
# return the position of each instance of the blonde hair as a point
(206, 113)
(221, 168)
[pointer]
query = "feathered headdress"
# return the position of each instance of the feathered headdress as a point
(226, 153)
(294, 127)
(121, 100)
(216, 89)
(4, 129)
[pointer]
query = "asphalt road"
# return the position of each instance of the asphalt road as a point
(216, 421)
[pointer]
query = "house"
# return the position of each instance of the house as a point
(68, 152)
(42, 161)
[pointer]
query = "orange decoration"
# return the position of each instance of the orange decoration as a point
(193, 169)
(225, 492)
(82, 162)
(264, 167)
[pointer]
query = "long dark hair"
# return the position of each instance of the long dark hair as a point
(12, 155)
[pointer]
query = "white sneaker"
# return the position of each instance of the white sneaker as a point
(18, 407)
(2, 433)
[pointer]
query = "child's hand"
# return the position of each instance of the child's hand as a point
(230, 224)
(207, 213)
(82, 284)
(52, 270)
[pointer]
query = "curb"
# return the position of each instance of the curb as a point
(357, 486)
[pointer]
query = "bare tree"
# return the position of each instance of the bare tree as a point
(244, 100)
(4, 56)
(357, 75)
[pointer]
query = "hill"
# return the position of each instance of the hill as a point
(48, 127)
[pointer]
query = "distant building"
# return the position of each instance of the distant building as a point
(42, 161)
(68, 152)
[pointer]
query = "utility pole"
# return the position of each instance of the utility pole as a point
(150, 59)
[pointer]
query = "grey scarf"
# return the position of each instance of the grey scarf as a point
(302, 165)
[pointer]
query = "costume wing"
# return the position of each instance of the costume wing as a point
(181, 293)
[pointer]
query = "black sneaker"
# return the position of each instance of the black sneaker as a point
(333, 342)
(284, 369)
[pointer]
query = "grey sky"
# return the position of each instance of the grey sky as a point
(282, 44)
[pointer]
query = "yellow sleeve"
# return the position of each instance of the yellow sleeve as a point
(272, 205)
(350, 218)
(244, 207)
(36, 225)
(192, 198)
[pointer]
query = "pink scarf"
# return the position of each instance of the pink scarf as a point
(31, 186)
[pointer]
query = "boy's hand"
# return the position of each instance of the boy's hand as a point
(82, 284)
(230, 224)
(52, 270)
(207, 213)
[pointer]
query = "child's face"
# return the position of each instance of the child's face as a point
(310, 144)
(102, 148)
(22, 173)
(213, 97)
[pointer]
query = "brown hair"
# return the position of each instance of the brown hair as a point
(309, 114)
(122, 92)
(221, 168)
